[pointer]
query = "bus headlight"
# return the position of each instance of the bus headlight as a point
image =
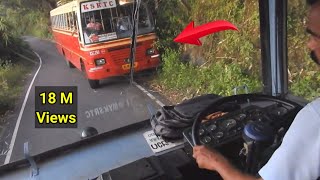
(100, 62)
(151, 51)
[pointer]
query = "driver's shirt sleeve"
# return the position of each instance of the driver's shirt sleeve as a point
(298, 157)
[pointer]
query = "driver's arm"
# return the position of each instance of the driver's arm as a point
(213, 160)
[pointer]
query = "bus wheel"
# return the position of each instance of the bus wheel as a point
(69, 64)
(94, 84)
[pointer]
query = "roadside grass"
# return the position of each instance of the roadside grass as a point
(12, 81)
(227, 59)
(182, 80)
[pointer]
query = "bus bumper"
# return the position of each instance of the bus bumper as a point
(106, 71)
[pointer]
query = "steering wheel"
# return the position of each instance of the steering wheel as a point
(239, 99)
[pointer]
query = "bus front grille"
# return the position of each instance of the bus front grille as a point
(119, 57)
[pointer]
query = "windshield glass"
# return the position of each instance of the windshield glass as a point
(53, 90)
(76, 91)
(113, 21)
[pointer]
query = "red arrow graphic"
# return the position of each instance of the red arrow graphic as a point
(191, 35)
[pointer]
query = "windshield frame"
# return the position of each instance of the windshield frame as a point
(83, 29)
(266, 54)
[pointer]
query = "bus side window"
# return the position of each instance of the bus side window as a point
(54, 21)
(59, 21)
(69, 21)
(76, 24)
(65, 21)
(73, 22)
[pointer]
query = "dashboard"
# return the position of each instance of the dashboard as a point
(247, 136)
(231, 125)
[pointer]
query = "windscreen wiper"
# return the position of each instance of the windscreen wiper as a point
(136, 7)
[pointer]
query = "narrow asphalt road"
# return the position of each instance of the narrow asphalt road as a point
(96, 108)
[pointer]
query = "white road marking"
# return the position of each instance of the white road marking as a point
(148, 94)
(14, 136)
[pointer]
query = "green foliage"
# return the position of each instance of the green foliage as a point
(11, 76)
(18, 5)
(4, 32)
(307, 85)
(219, 78)
(240, 47)
(29, 17)
(171, 17)
(12, 69)
(232, 58)
(9, 41)
(231, 52)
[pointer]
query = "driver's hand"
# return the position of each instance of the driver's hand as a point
(208, 158)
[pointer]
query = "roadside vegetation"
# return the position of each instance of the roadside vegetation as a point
(19, 18)
(15, 60)
(227, 59)
(13, 68)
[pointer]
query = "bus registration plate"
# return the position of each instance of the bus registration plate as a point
(157, 144)
(127, 66)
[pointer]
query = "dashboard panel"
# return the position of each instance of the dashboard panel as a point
(247, 136)
(231, 125)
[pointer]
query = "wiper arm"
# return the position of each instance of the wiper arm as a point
(134, 39)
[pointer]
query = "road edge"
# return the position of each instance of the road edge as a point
(149, 94)
(15, 132)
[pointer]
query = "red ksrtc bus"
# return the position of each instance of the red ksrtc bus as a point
(95, 37)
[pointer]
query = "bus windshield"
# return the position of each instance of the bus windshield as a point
(112, 21)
